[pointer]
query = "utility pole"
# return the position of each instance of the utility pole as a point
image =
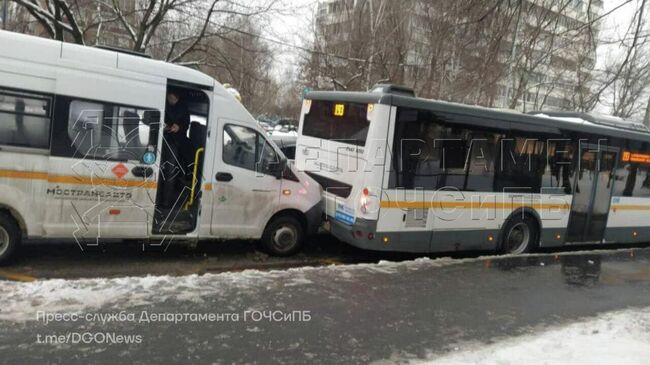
(372, 45)
(513, 53)
(4, 13)
(646, 120)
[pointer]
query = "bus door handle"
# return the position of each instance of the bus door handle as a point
(224, 177)
(142, 171)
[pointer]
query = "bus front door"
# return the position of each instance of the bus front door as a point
(592, 194)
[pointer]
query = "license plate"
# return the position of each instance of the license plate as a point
(344, 218)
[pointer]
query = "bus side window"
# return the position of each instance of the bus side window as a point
(522, 165)
(635, 181)
(558, 175)
(415, 157)
(455, 147)
(433, 151)
(482, 161)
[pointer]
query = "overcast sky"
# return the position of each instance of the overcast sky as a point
(292, 27)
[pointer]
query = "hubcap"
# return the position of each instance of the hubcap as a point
(285, 237)
(517, 239)
(4, 241)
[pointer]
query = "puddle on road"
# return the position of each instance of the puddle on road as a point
(585, 269)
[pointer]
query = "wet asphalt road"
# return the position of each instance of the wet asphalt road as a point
(40, 260)
(360, 314)
(66, 260)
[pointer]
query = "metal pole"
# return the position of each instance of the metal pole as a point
(646, 120)
(4, 14)
(372, 45)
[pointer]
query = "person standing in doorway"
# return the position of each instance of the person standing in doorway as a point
(177, 122)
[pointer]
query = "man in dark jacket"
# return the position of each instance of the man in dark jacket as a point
(175, 148)
(177, 117)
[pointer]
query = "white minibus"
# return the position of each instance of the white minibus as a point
(90, 150)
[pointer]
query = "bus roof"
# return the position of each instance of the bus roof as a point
(48, 51)
(544, 121)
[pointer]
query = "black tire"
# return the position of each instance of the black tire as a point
(520, 235)
(283, 236)
(10, 237)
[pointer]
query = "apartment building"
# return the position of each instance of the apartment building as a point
(453, 51)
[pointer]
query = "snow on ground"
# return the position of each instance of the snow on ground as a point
(21, 301)
(613, 338)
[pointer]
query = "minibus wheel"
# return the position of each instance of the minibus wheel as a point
(283, 236)
(520, 235)
(10, 237)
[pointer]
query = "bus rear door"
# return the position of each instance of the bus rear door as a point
(592, 193)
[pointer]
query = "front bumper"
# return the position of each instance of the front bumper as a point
(314, 218)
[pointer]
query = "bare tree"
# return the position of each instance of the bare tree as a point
(624, 82)
(169, 29)
(224, 41)
(373, 49)
(56, 17)
(446, 50)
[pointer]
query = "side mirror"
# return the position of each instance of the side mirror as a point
(278, 168)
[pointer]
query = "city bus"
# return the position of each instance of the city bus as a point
(402, 173)
(85, 154)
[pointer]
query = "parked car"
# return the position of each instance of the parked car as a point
(287, 144)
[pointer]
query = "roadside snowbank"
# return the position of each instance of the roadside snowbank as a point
(21, 301)
(620, 338)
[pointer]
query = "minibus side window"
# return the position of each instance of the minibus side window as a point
(108, 131)
(239, 145)
(244, 147)
(25, 119)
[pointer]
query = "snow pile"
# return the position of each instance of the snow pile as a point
(613, 338)
(22, 301)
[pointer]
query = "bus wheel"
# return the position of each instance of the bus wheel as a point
(520, 235)
(283, 236)
(10, 237)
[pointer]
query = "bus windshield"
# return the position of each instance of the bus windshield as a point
(337, 121)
